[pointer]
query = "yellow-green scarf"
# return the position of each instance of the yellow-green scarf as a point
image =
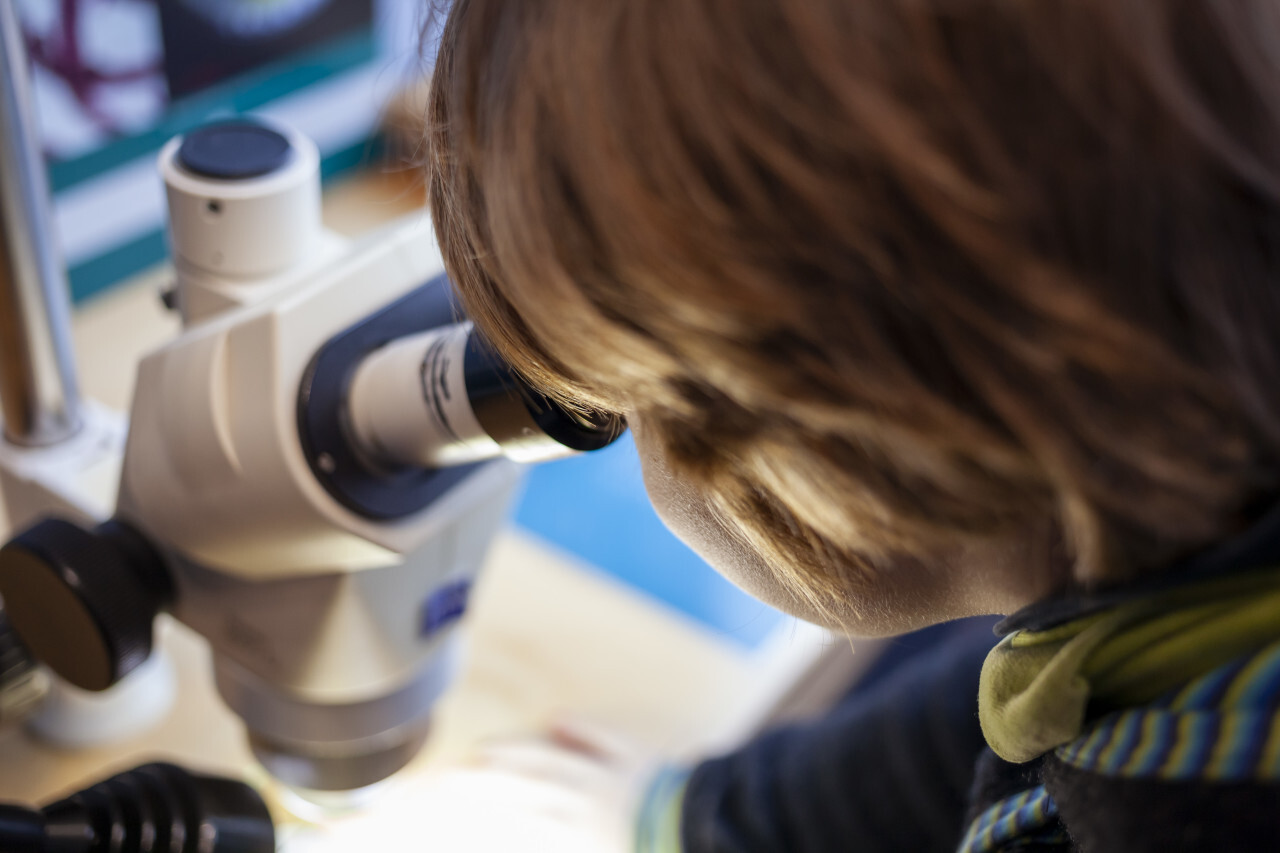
(1038, 689)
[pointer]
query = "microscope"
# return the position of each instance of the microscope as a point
(313, 472)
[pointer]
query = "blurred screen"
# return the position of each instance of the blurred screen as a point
(115, 79)
(209, 41)
(106, 69)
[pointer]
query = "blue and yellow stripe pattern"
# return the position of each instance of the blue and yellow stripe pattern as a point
(1026, 819)
(1223, 726)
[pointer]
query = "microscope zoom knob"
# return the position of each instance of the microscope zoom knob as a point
(84, 601)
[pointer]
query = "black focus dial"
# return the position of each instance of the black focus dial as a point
(83, 601)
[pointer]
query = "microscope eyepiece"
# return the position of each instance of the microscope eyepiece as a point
(504, 404)
(396, 409)
(443, 397)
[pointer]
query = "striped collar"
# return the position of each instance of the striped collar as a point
(1223, 727)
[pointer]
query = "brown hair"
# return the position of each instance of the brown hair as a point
(884, 276)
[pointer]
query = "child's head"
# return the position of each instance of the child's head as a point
(891, 281)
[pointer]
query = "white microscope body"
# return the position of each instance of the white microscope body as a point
(313, 470)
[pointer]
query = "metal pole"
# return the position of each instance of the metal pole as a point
(38, 390)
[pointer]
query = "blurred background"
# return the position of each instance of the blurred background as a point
(115, 79)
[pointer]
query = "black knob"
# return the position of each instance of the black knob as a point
(157, 807)
(84, 601)
(235, 150)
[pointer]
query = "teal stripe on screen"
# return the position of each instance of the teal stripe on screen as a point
(98, 274)
(595, 507)
(242, 94)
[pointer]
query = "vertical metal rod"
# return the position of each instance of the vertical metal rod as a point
(38, 390)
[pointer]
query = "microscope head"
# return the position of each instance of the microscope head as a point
(319, 462)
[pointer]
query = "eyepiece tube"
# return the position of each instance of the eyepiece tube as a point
(443, 397)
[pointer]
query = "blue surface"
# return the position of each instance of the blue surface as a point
(595, 507)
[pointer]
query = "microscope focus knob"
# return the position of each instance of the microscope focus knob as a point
(83, 602)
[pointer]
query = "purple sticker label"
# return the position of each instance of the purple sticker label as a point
(444, 606)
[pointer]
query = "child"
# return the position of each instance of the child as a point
(921, 309)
